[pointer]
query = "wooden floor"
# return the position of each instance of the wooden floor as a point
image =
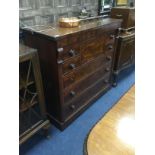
(114, 133)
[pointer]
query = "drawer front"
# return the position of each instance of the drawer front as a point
(84, 98)
(68, 40)
(73, 91)
(70, 65)
(85, 70)
(88, 35)
(110, 37)
(103, 31)
(91, 49)
(68, 52)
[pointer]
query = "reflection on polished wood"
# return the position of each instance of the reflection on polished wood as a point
(114, 133)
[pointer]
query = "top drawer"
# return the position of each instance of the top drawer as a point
(68, 40)
(88, 35)
(91, 49)
(67, 52)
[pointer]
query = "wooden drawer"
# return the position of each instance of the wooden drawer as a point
(85, 70)
(84, 98)
(73, 91)
(71, 64)
(102, 32)
(91, 49)
(67, 52)
(68, 40)
(88, 35)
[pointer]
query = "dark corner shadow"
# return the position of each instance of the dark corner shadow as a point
(34, 141)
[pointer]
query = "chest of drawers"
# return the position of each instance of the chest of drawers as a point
(76, 65)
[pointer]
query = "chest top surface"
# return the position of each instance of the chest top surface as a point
(55, 32)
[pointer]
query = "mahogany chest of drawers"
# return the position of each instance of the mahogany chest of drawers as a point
(76, 65)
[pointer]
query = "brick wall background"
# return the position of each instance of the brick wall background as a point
(40, 12)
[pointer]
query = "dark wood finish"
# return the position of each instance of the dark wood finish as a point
(76, 89)
(68, 51)
(32, 112)
(79, 101)
(125, 13)
(91, 49)
(85, 70)
(71, 64)
(76, 65)
(125, 51)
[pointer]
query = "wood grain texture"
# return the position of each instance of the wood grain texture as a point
(114, 133)
(64, 68)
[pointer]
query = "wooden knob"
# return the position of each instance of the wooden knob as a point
(72, 106)
(110, 47)
(60, 61)
(72, 52)
(72, 93)
(107, 69)
(72, 66)
(112, 36)
(60, 50)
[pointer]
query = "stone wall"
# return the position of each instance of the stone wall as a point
(40, 12)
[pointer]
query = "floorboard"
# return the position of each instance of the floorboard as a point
(114, 133)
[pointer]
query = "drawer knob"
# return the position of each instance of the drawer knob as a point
(72, 106)
(112, 36)
(72, 53)
(107, 69)
(108, 58)
(60, 50)
(72, 93)
(72, 66)
(60, 62)
(110, 47)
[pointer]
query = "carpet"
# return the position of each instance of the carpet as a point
(71, 140)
